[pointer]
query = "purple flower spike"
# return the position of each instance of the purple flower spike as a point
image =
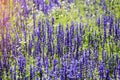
(21, 63)
(31, 72)
(11, 73)
(15, 72)
(101, 70)
(107, 75)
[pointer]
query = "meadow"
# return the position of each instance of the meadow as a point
(59, 39)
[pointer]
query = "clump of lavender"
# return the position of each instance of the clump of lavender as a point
(44, 50)
(21, 65)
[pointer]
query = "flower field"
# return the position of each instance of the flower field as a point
(59, 39)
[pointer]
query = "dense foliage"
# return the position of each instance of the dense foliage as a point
(59, 40)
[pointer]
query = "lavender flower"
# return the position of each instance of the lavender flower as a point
(53, 21)
(114, 73)
(67, 39)
(45, 9)
(39, 67)
(21, 63)
(58, 36)
(13, 50)
(104, 26)
(46, 65)
(101, 70)
(71, 36)
(49, 42)
(95, 55)
(31, 72)
(107, 75)
(70, 1)
(11, 73)
(110, 26)
(25, 9)
(54, 64)
(30, 47)
(15, 72)
(39, 30)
